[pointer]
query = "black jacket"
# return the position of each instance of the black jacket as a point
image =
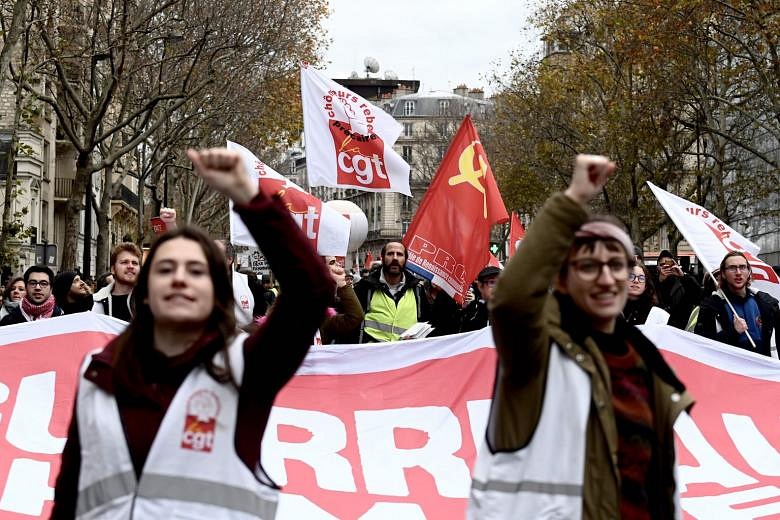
(16, 316)
(475, 316)
(678, 296)
(714, 310)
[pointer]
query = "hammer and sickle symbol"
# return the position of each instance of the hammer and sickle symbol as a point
(469, 174)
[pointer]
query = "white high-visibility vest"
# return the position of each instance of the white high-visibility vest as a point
(543, 480)
(244, 301)
(192, 470)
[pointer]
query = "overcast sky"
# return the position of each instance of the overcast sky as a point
(442, 43)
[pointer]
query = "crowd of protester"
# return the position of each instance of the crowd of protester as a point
(381, 301)
(567, 308)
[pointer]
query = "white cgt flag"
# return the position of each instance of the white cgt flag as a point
(326, 228)
(711, 239)
(349, 141)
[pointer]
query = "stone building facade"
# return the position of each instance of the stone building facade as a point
(32, 205)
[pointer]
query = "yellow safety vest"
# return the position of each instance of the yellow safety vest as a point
(385, 321)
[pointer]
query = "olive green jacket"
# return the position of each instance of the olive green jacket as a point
(527, 320)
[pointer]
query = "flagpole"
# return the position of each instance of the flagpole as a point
(723, 295)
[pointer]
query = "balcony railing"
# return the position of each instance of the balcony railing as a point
(63, 188)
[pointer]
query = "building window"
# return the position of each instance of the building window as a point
(5, 150)
(406, 153)
(406, 204)
(44, 220)
(408, 129)
(555, 47)
(444, 107)
(46, 172)
(408, 108)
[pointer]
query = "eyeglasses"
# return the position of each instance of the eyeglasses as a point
(589, 270)
(639, 277)
(741, 268)
(43, 284)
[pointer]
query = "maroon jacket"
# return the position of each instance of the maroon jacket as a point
(272, 354)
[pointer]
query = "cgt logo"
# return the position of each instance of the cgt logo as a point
(359, 158)
(304, 208)
(201, 421)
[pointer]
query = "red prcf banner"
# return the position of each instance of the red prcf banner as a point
(448, 239)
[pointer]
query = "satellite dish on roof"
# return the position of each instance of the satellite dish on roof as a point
(390, 74)
(354, 75)
(371, 65)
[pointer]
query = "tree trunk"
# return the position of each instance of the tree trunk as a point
(73, 207)
(14, 32)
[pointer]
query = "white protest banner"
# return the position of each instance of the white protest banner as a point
(728, 450)
(710, 238)
(349, 141)
(327, 229)
(39, 364)
(389, 430)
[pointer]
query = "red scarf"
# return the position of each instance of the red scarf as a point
(38, 312)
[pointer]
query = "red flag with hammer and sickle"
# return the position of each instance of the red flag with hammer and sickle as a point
(449, 237)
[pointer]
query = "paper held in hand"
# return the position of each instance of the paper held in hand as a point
(419, 330)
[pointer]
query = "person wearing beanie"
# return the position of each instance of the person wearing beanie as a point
(678, 293)
(72, 293)
(475, 315)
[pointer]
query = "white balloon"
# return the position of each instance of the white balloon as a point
(358, 222)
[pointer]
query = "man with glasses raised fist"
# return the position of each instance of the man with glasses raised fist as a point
(38, 303)
(753, 313)
(583, 404)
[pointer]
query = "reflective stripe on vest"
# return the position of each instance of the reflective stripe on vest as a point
(385, 321)
(105, 490)
(545, 478)
(206, 492)
(199, 476)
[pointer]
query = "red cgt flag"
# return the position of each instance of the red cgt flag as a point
(516, 234)
(448, 239)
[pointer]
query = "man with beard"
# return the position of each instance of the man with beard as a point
(71, 293)
(757, 313)
(38, 302)
(114, 299)
(391, 298)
